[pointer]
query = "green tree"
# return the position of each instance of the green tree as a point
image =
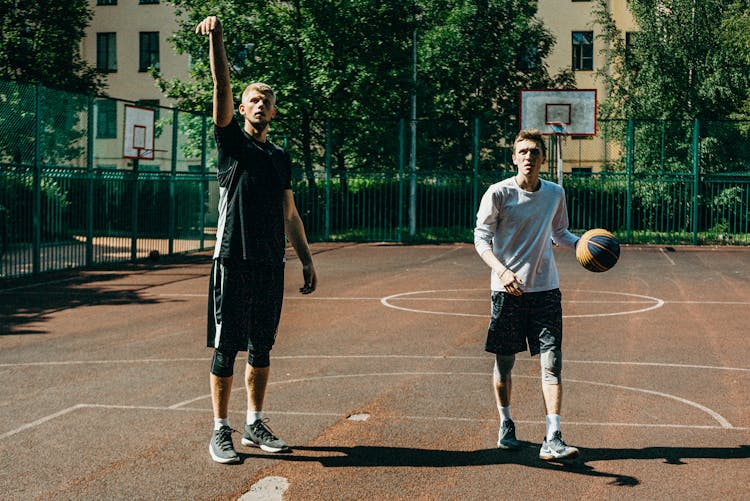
(682, 66)
(40, 44)
(326, 60)
(41, 41)
(348, 63)
(475, 58)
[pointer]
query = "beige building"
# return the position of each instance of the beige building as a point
(124, 38)
(578, 47)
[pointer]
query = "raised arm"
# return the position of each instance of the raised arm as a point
(223, 102)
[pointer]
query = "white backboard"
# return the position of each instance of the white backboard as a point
(574, 108)
(138, 136)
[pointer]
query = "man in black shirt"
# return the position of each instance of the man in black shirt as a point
(256, 211)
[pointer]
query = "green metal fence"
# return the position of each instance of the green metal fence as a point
(68, 198)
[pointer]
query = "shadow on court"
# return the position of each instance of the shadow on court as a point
(376, 456)
(27, 303)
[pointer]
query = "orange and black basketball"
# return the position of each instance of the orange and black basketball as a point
(598, 250)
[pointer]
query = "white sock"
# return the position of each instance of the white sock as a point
(553, 425)
(218, 423)
(504, 413)
(253, 416)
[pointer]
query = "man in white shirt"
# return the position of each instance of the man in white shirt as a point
(518, 220)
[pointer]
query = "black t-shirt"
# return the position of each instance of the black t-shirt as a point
(252, 179)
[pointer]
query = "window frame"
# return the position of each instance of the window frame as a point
(106, 51)
(106, 119)
(148, 51)
(582, 54)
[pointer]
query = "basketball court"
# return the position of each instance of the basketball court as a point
(379, 382)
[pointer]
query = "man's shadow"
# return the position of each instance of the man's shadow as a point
(528, 455)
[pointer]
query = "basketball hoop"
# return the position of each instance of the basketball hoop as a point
(558, 129)
(145, 153)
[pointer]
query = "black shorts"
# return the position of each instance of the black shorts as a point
(533, 318)
(244, 305)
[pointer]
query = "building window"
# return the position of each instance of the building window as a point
(583, 50)
(630, 39)
(149, 50)
(106, 119)
(147, 2)
(582, 171)
(106, 2)
(106, 52)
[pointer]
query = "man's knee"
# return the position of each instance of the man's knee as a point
(551, 366)
(259, 358)
(503, 366)
(222, 364)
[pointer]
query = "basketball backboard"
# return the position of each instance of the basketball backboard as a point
(138, 140)
(548, 109)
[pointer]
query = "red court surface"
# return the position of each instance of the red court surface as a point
(380, 383)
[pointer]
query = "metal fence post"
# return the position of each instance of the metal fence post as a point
(134, 213)
(90, 183)
(696, 179)
(172, 181)
(629, 202)
(328, 180)
(203, 183)
(36, 238)
(475, 181)
(401, 148)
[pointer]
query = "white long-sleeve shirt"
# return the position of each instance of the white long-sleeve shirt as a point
(520, 226)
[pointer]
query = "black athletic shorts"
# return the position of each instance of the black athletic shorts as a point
(244, 305)
(533, 319)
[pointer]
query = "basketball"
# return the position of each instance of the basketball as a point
(598, 250)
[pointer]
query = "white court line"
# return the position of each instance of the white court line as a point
(718, 417)
(40, 421)
(664, 253)
(715, 415)
(655, 303)
(39, 284)
(373, 356)
(76, 407)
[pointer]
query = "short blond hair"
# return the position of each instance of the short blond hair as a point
(531, 135)
(261, 87)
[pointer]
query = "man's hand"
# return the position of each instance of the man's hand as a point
(208, 25)
(510, 281)
(311, 279)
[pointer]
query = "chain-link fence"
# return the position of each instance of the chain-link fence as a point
(68, 198)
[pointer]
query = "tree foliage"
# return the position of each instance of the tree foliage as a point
(684, 63)
(688, 62)
(343, 71)
(40, 42)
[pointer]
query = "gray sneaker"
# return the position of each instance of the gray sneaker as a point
(506, 437)
(221, 447)
(259, 434)
(556, 449)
